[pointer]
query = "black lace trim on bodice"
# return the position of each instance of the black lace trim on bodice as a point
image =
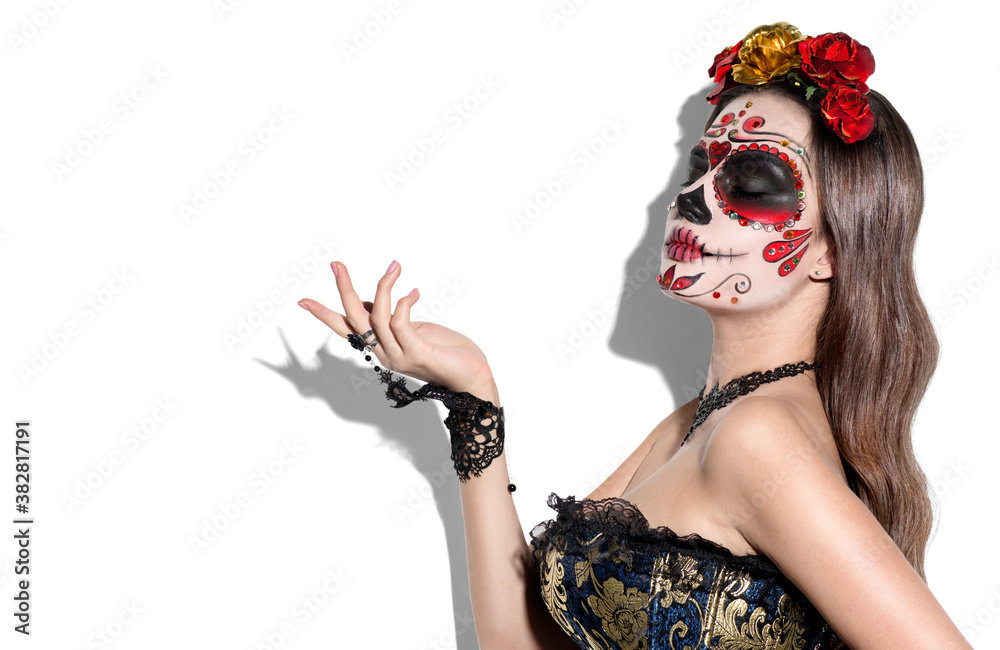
(619, 517)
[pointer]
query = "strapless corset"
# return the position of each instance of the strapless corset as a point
(611, 581)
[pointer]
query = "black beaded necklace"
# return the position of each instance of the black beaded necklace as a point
(717, 398)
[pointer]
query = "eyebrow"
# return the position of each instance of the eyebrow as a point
(804, 156)
(716, 133)
(784, 138)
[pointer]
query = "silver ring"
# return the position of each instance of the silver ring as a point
(374, 342)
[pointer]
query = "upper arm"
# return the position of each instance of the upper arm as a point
(788, 501)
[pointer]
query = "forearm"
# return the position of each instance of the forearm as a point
(506, 602)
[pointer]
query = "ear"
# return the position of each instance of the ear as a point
(825, 266)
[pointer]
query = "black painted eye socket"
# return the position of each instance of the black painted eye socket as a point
(697, 165)
(759, 185)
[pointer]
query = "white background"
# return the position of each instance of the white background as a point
(587, 352)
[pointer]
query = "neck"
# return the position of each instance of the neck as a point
(746, 343)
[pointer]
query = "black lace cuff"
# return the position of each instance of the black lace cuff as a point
(476, 425)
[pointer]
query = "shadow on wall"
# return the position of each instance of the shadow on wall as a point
(651, 328)
(416, 432)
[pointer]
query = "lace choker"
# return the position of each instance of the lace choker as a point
(718, 398)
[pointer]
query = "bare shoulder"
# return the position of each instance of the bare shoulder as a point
(761, 436)
(764, 449)
(781, 490)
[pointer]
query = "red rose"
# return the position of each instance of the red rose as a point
(719, 72)
(847, 113)
(837, 59)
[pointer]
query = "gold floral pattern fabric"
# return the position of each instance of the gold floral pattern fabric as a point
(612, 582)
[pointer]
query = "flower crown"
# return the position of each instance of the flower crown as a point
(831, 68)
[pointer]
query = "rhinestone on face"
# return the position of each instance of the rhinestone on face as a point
(802, 195)
(756, 226)
(799, 151)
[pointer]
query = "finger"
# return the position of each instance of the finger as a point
(354, 309)
(408, 339)
(353, 306)
(358, 317)
(381, 310)
(335, 321)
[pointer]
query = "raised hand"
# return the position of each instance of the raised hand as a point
(423, 350)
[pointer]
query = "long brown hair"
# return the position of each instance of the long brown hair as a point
(875, 342)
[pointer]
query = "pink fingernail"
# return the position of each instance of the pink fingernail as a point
(414, 292)
(336, 273)
(392, 266)
(303, 305)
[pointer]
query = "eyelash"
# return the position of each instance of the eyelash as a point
(743, 194)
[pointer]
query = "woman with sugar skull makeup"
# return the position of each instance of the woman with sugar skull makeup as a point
(783, 508)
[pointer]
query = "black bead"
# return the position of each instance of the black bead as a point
(511, 487)
(368, 357)
(377, 369)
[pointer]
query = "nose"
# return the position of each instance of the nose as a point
(692, 206)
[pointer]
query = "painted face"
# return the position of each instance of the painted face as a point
(742, 225)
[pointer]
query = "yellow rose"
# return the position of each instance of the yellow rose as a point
(768, 51)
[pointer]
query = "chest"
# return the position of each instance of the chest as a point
(671, 489)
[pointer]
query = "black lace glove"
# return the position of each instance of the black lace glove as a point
(476, 425)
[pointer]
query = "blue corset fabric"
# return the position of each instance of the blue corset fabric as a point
(612, 582)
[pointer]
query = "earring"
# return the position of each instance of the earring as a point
(818, 272)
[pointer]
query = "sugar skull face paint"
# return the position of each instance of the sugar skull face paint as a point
(742, 225)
